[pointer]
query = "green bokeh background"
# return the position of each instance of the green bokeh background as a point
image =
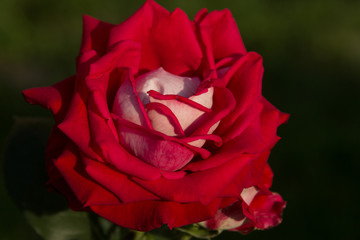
(311, 52)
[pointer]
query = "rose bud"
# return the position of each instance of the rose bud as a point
(164, 122)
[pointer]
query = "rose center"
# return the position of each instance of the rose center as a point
(168, 104)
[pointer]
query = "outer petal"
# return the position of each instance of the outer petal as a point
(148, 215)
(243, 79)
(221, 34)
(56, 97)
(116, 182)
(85, 190)
(95, 35)
(202, 186)
(167, 39)
(261, 133)
(56, 145)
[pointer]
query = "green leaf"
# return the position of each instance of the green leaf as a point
(197, 231)
(64, 225)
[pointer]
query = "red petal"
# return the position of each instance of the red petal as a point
(267, 209)
(223, 104)
(116, 182)
(201, 186)
(167, 39)
(148, 215)
(106, 143)
(125, 54)
(56, 97)
(95, 35)
(86, 191)
(221, 34)
(243, 79)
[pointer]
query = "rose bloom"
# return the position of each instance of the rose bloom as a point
(164, 123)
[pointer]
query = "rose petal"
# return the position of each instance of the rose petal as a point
(187, 115)
(116, 182)
(258, 169)
(165, 83)
(221, 33)
(128, 105)
(195, 186)
(266, 179)
(95, 35)
(167, 39)
(245, 85)
(227, 218)
(55, 147)
(153, 148)
(125, 54)
(132, 215)
(266, 209)
(86, 191)
(107, 145)
(56, 97)
(261, 133)
(223, 104)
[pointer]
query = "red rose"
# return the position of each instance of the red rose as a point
(164, 123)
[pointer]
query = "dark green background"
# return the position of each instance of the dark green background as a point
(311, 53)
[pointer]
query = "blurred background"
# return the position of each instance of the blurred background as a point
(311, 52)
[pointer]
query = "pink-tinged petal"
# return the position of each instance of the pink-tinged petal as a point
(148, 215)
(165, 83)
(128, 105)
(95, 35)
(188, 111)
(223, 104)
(85, 190)
(195, 186)
(248, 194)
(56, 97)
(153, 148)
(167, 39)
(107, 145)
(163, 117)
(258, 210)
(227, 218)
(164, 120)
(220, 34)
(158, 135)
